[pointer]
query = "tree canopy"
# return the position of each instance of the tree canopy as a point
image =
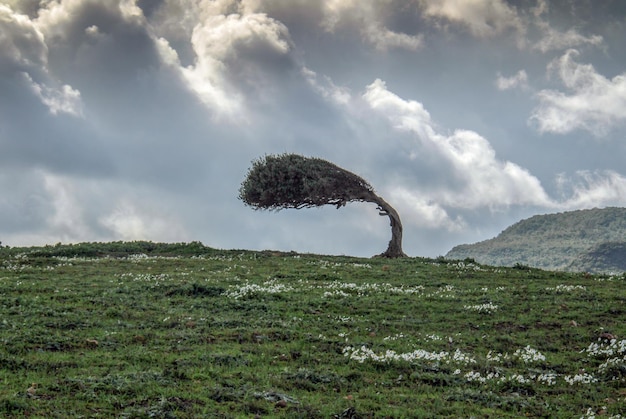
(276, 182)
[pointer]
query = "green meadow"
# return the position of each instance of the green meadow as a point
(145, 330)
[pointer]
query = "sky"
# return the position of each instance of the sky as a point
(139, 119)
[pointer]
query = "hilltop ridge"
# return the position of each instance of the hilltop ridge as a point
(592, 240)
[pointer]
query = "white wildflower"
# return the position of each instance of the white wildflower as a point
(363, 354)
(583, 378)
(482, 308)
(529, 355)
(394, 337)
(561, 288)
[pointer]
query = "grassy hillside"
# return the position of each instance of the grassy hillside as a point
(553, 241)
(138, 330)
(604, 257)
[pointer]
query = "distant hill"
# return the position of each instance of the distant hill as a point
(585, 240)
(604, 257)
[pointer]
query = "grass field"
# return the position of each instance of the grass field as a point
(142, 330)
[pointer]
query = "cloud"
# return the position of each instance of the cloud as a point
(62, 100)
(22, 44)
(445, 176)
(594, 103)
(129, 222)
(327, 88)
(591, 189)
(48, 207)
(475, 177)
(553, 39)
(236, 55)
(520, 79)
(109, 41)
(69, 20)
(22, 202)
(424, 213)
(370, 19)
(482, 18)
(66, 220)
(24, 56)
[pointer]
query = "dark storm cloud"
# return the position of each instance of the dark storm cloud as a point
(149, 7)
(103, 53)
(39, 116)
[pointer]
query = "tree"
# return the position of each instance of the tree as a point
(276, 182)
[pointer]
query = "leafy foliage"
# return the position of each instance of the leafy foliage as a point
(293, 181)
(555, 241)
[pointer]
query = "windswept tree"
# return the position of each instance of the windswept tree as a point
(276, 182)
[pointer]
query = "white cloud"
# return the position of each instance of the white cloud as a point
(217, 34)
(519, 79)
(231, 53)
(424, 212)
(67, 220)
(383, 38)
(476, 178)
(483, 18)
(128, 222)
(594, 103)
(590, 189)
(22, 46)
(24, 53)
(175, 20)
(130, 10)
(406, 115)
(54, 17)
(326, 88)
(52, 208)
(460, 171)
(57, 18)
(62, 100)
(167, 53)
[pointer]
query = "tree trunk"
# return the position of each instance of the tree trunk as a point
(394, 249)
